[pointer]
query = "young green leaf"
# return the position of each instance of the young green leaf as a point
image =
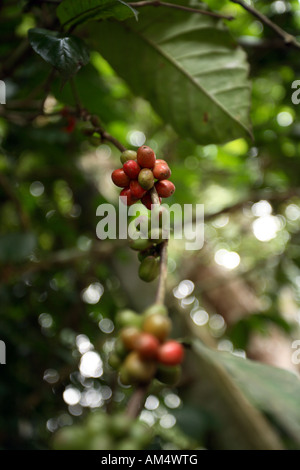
(188, 67)
(66, 54)
(72, 13)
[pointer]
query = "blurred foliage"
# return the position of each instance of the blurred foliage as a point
(61, 287)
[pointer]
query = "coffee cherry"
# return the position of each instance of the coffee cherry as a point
(147, 201)
(127, 444)
(146, 178)
(158, 309)
(127, 198)
(141, 244)
(70, 438)
(101, 442)
(128, 155)
(165, 188)
(114, 360)
(171, 353)
(147, 346)
(141, 433)
(120, 349)
(149, 269)
(132, 169)
(124, 376)
(158, 326)
(128, 318)
(161, 170)
(120, 178)
(97, 423)
(168, 375)
(119, 425)
(138, 370)
(136, 189)
(146, 157)
(129, 336)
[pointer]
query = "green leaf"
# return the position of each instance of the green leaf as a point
(72, 13)
(271, 390)
(66, 54)
(16, 247)
(187, 66)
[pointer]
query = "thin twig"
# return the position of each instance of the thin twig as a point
(86, 116)
(105, 136)
(161, 290)
(289, 39)
(136, 401)
(157, 3)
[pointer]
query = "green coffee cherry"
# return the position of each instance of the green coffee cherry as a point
(120, 348)
(141, 244)
(158, 309)
(128, 155)
(128, 318)
(141, 433)
(101, 442)
(128, 444)
(124, 376)
(119, 425)
(149, 269)
(114, 361)
(146, 178)
(96, 423)
(70, 438)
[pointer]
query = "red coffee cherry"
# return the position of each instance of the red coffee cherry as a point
(170, 353)
(147, 201)
(146, 178)
(147, 346)
(161, 170)
(120, 178)
(136, 189)
(165, 188)
(127, 198)
(132, 169)
(146, 157)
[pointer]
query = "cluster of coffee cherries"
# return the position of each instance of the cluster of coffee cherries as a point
(149, 255)
(100, 431)
(138, 174)
(143, 351)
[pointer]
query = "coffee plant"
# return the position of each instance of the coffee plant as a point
(112, 342)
